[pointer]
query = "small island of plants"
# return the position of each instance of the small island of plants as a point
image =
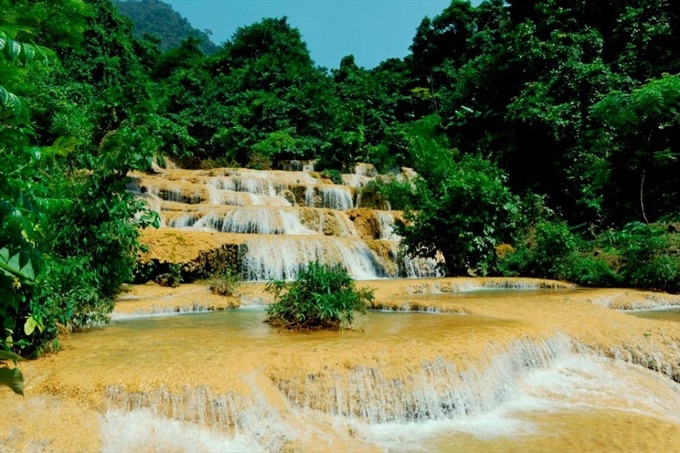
(321, 297)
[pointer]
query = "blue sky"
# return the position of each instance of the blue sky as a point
(371, 30)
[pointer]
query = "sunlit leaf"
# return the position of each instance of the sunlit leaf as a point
(31, 324)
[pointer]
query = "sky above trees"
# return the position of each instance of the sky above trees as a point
(371, 30)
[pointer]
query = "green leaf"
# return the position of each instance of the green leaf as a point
(29, 53)
(31, 324)
(12, 378)
(11, 265)
(13, 49)
(9, 355)
(10, 101)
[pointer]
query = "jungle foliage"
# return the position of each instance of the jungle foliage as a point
(68, 136)
(547, 130)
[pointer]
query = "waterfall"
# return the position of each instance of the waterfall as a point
(386, 223)
(254, 220)
(417, 267)
(280, 203)
(183, 221)
(504, 381)
(336, 197)
(363, 395)
(266, 259)
(435, 390)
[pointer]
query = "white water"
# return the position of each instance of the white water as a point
(336, 197)
(504, 399)
(266, 260)
(386, 222)
(254, 220)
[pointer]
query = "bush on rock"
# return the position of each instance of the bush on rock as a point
(322, 296)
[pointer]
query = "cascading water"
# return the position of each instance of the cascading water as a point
(386, 221)
(250, 205)
(488, 364)
(254, 220)
(265, 260)
(336, 197)
(402, 382)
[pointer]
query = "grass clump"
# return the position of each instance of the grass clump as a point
(322, 297)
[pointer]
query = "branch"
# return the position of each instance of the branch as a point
(642, 203)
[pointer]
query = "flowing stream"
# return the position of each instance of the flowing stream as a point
(435, 380)
(467, 364)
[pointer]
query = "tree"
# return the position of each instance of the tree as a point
(640, 134)
(23, 199)
(463, 210)
(261, 82)
(68, 228)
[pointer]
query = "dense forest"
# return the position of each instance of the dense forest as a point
(157, 19)
(545, 133)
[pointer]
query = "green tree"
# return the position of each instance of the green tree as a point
(641, 139)
(259, 83)
(463, 210)
(69, 234)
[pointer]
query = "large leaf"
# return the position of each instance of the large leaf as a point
(9, 355)
(29, 53)
(12, 378)
(18, 265)
(12, 49)
(25, 53)
(31, 324)
(10, 101)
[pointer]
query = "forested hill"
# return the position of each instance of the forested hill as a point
(158, 19)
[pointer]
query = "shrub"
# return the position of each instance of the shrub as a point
(650, 257)
(370, 196)
(463, 210)
(400, 194)
(259, 161)
(589, 270)
(543, 252)
(333, 175)
(323, 296)
(172, 278)
(216, 162)
(226, 284)
(550, 250)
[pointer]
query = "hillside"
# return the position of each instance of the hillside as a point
(157, 18)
